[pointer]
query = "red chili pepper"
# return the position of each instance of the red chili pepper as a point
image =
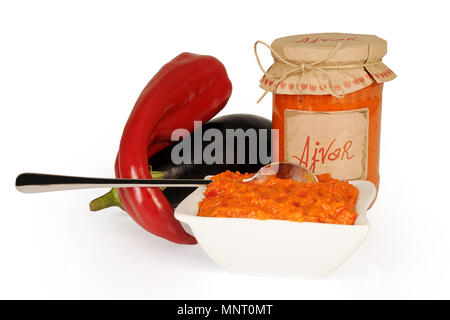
(190, 87)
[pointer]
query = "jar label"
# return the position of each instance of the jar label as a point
(334, 142)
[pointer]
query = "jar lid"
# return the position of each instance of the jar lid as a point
(325, 63)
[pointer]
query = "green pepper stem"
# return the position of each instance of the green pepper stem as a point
(111, 198)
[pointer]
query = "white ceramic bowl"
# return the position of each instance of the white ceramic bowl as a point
(277, 247)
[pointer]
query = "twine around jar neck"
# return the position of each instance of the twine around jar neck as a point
(302, 67)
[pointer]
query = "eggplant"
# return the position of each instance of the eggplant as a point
(255, 156)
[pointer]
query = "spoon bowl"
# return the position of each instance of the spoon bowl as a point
(284, 170)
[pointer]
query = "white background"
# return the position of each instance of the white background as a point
(70, 72)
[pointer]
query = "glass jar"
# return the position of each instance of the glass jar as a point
(370, 97)
(327, 93)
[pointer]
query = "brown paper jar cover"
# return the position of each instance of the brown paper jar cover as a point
(356, 64)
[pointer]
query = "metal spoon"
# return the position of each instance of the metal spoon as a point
(39, 182)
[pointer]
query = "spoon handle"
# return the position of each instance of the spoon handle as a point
(40, 182)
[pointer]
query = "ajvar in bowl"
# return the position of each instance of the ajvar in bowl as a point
(327, 201)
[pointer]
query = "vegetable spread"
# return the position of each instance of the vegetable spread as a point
(327, 201)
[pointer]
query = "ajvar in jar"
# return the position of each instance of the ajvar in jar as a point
(327, 92)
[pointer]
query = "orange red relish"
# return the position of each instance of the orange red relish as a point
(326, 201)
